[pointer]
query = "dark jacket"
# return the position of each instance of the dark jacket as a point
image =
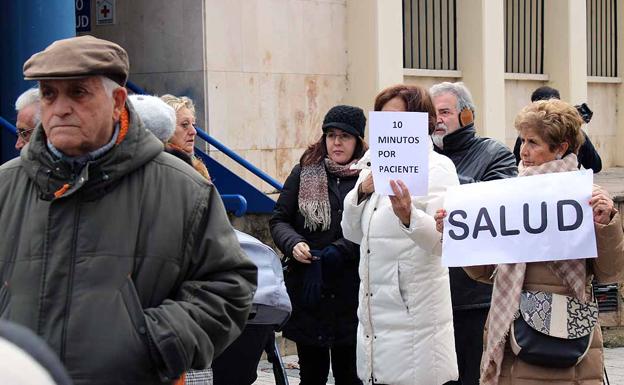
(334, 321)
(588, 157)
(134, 274)
(476, 159)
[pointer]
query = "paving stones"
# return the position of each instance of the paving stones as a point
(614, 362)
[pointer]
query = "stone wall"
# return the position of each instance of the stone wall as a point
(273, 67)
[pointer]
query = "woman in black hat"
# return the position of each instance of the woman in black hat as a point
(322, 267)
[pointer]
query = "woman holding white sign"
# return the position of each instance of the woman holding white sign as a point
(542, 326)
(405, 333)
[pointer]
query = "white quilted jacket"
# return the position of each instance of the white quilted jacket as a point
(405, 331)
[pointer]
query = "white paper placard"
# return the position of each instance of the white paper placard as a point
(399, 148)
(527, 219)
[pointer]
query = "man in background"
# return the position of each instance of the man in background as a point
(588, 157)
(476, 159)
(28, 116)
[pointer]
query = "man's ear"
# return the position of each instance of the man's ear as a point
(119, 99)
(564, 147)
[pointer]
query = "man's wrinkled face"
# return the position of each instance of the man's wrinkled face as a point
(25, 125)
(78, 115)
(447, 116)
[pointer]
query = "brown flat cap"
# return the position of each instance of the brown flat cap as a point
(79, 57)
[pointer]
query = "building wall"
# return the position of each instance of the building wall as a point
(603, 128)
(426, 81)
(517, 95)
(164, 41)
(264, 72)
(274, 68)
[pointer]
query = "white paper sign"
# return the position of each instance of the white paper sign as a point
(399, 148)
(527, 219)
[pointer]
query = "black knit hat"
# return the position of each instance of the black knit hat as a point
(346, 118)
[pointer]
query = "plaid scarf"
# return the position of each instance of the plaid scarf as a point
(313, 192)
(508, 282)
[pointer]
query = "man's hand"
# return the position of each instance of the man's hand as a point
(301, 252)
(401, 201)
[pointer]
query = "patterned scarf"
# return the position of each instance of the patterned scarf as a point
(508, 282)
(313, 192)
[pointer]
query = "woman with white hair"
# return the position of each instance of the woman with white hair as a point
(183, 138)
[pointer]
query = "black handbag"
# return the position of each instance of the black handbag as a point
(553, 330)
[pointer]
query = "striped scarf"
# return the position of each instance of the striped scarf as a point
(313, 191)
(508, 282)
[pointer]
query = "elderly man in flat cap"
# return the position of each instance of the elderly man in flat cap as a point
(117, 254)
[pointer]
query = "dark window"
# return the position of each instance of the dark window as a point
(524, 36)
(602, 38)
(430, 34)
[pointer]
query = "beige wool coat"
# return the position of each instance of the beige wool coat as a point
(607, 268)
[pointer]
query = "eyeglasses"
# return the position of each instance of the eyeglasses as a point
(341, 136)
(25, 133)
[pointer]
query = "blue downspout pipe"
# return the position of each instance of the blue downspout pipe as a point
(26, 27)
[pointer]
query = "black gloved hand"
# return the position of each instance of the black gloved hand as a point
(333, 260)
(312, 282)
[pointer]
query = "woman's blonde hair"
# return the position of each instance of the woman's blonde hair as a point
(178, 102)
(555, 121)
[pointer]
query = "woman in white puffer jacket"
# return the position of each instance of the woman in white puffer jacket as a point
(405, 331)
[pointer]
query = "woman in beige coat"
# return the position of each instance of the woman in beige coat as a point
(550, 134)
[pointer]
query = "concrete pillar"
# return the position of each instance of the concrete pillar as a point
(26, 27)
(375, 49)
(481, 58)
(565, 48)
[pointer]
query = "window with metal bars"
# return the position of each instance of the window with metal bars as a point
(430, 34)
(602, 32)
(524, 36)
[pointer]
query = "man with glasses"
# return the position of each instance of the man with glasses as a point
(28, 116)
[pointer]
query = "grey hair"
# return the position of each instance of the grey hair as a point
(109, 85)
(28, 97)
(464, 98)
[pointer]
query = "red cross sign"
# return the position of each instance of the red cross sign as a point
(105, 12)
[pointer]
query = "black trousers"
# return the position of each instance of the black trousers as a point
(469, 326)
(238, 364)
(314, 365)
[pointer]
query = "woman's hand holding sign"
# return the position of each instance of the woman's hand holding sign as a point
(602, 205)
(367, 186)
(439, 218)
(401, 201)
